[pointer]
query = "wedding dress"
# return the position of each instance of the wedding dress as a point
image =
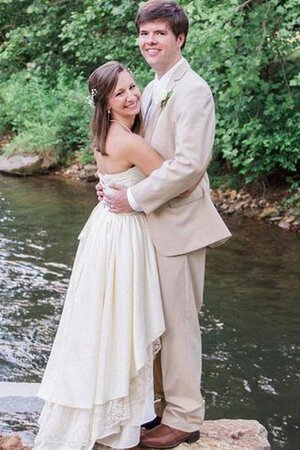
(98, 383)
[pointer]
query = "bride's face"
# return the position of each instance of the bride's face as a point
(125, 100)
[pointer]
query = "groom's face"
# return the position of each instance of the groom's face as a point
(159, 45)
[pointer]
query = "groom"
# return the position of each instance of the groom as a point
(180, 123)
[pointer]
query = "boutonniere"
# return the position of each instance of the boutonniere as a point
(165, 95)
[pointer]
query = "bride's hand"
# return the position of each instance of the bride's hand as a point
(99, 191)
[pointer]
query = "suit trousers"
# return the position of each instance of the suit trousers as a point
(177, 368)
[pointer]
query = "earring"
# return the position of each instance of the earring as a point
(108, 114)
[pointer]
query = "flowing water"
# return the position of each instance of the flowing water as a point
(250, 320)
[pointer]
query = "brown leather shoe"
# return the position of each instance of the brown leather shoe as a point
(164, 436)
(142, 433)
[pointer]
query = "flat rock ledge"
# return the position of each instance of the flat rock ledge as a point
(12, 442)
(25, 164)
(222, 434)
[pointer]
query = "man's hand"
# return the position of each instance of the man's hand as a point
(118, 202)
(99, 191)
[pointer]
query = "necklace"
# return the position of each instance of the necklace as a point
(122, 124)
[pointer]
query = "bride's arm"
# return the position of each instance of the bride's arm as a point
(136, 151)
(139, 153)
(133, 150)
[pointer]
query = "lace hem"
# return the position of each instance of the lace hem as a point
(65, 428)
(156, 347)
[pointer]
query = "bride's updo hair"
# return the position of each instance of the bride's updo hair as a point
(101, 84)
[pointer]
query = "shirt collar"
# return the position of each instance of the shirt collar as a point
(162, 83)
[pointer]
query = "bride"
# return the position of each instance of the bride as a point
(98, 384)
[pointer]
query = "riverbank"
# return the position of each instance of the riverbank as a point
(268, 206)
(274, 205)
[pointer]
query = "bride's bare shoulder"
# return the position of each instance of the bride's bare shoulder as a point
(127, 141)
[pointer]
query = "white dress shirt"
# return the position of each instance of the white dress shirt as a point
(159, 88)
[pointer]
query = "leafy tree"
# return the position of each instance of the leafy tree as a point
(249, 53)
(247, 50)
(73, 34)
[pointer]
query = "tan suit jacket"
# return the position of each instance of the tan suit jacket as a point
(183, 132)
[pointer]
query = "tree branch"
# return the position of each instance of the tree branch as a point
(243, 5)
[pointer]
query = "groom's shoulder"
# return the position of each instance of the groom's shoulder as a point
(189, 79)
(193, 82)
(149, 86)
(196, 77)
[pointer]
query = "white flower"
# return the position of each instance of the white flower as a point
(90, 99)
(161, 97)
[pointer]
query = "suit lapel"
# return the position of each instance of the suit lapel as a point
(176, 76)
(152, 123)
(147, 98)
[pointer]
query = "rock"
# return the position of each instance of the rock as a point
(230, 210)
(73, 171)
(86, 172)
(284, 225)
(219, 193)
(241, 205)
(289, 219)
(262, 202)
(269, 212)
(274, 219)
(89, 172)
(12, 442)
(226, 434)
(242, 195)
(230, 201)
(25, 164)
(223, 207)
(4, 140)
(233, 194)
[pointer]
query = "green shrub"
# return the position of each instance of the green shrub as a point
(248, 51)
(44, 118)
(249, 54)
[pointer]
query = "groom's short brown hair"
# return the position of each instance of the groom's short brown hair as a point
(164, 10)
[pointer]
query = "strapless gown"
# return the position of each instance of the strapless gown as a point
(98, 383)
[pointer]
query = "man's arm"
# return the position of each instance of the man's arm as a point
(194, 135)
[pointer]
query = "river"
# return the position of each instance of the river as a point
(250, 319)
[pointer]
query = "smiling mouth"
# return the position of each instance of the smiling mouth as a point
(133, 105)
(152, 51)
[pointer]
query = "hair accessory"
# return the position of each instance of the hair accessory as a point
(90, 99)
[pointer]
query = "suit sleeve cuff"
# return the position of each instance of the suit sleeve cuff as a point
(132, 202)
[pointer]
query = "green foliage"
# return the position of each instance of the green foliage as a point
(79, 34)
(249, 53)
(292, 201)
(44, 118)
(247, 50)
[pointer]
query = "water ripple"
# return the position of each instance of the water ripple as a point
(249, 322)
